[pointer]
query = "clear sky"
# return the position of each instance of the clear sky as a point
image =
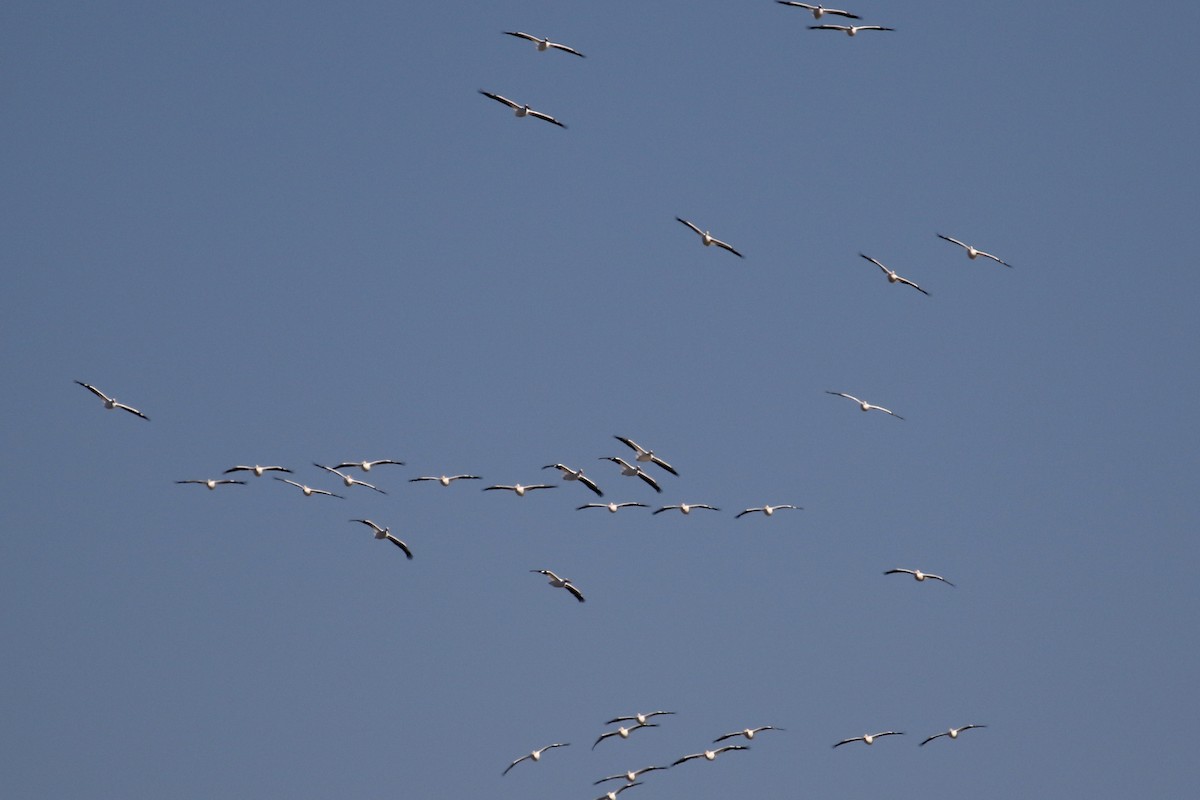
(296, 232)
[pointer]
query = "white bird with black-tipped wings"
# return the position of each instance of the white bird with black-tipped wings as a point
(544, 44)
(521, 110)
(708, 239)
(386, 533)
(973, 253)
(110, 402)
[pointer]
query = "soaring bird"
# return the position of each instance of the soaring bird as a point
(645, 455)
(631, 776)
(640, 718)
(624, 732)
(346, 479)
(365, 466)
(818, 11)
(952, 733)
(893, 277)
(386, 533)
(213, 483)
(685, 508)
(747, 732)
(308, 490)
(850, 30)
(110, 402)
(444, 480)
(544, 44)
(767, 510)
(521, 110)
(863, 405)
(257, 469)
(710, 755)
(920, 576)
(561, 583)
(612, 507)
(709, 239)
(569, 474)
(536, 755)
(869, 738)
(973, 253)
(633, 471)
(518, 489)
(613, 794)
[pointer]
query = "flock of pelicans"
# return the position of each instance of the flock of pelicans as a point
(640, 460)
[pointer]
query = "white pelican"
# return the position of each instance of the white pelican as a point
(869, 738)
(639, 718)
(536, 755)
(747, 732)
(612, 507)
(893, 277)
(685, 508)
(863, 404)
(709, 239)
(767, 510)
(213, 483)
(346, 479)
(386, 533)
(521, 110)
(569, 474)
(972, 253)
(920, 576)
(646, 455)
(110, 402)
(952, 733)
(624, 732)
(308, 490)
(519, 489)
(545, 44)
(257, 469)
(613, 794)
(365, 466)
(851, 30)
(631, 776)
(561, 583)
(710, 755)
(631, 470)
(818, 11)
(444, 480)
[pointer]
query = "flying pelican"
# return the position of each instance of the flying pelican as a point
(444, 480)
(819, 11)
(612, 507)
(624, 732)
(630, 776)
(972, 253)
(710, 755)
(545, 44)
(920, 576)
(863, 404)
(257, 469)
(569, 474)
(851, 30)
(646, 455)
(613, 794)
(893, 277)
(521, 110)
(709, 239)
(952, 733)
(346, 479)
(110, 402)
(639, 718)
(365, 466)
(869, 738)
(561, 583)
(308, 490)
(213, 483)
(767, 510)
(630, 469)
(386, 533)
(536, 755)
(747, 732)
(519, 489)
(686, 508)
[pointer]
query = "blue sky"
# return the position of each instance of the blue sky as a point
(290, 234)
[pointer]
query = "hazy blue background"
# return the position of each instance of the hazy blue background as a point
(295, 232)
